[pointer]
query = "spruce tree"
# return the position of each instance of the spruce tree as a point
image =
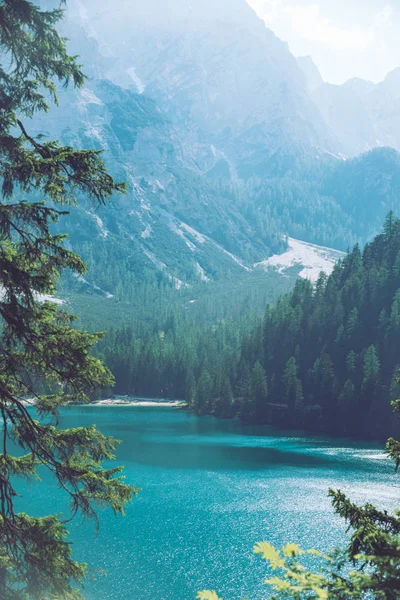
(292, 385)
(258, 390)
(226, 402)
(37, 341)
(371, 371)
(204, 395)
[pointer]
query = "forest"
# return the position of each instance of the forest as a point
(324, 357)
(244, 346)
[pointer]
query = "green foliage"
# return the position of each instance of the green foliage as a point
(329, 351)
(42, 356)
(325, 352)
(207, 595)
(331, 202)
(159, 345)
(292, 385)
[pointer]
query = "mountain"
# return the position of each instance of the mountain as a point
(330, 202)
(327, 357)
(229, 85)
(173, 220)
(213, 124)
(361, 114)
(313, 76)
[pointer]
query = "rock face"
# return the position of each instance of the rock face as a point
(173, 219)
(194, 102)
(311, 72)
(231, 85)
(362, 115)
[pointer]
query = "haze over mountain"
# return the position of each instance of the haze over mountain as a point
(363, 115)
(227, 141)
(214, 68)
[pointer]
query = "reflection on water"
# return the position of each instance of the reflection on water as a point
(210, 490)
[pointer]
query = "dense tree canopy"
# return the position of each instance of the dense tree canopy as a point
(324, 357)
(329, 353)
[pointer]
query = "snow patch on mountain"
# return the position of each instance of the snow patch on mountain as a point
(201, 273)
(146, 233)
(199, 237)
(176, 229)
(178, 283)
(94, 286)
(233, 257)
(219, 155)
(158, 263)
(236, 259)
(49, 298)
(38, 297)
(103, 231)
(311, 257)
(94, 133)
(86, 97)
(136, 80)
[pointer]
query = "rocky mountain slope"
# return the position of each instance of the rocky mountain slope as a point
(224, 139)
(229, 85)
(173, 219)
(362, 115)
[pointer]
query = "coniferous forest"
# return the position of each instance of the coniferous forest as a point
(324, 357)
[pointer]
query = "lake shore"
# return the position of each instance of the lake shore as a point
(147, 403)
(115, 402)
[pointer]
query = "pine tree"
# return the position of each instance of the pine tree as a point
(346, 401)
(258, 390)
(351, 362)
(351, 323)
(190, 390)
(371, 368)
(204, 395)
(37, 341)
(226, 401)
(293, 391)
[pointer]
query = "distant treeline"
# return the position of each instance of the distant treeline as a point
(325, 356)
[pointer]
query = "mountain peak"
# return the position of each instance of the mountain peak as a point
(213, 64)
(359, 86)
(170, 15)
(393, 78)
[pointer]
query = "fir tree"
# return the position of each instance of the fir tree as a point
(37, 341)
(371, 370)
(293, 392)
(258, 390)
(204, 395)
(226, 402)
(190, 390)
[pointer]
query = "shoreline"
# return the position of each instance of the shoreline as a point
(139, 403)
(119, 402)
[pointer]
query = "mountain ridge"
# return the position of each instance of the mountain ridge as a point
(212, 124)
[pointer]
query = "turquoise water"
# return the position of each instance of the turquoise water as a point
(210, 490)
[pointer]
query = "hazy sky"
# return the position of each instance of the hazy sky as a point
(346, 38)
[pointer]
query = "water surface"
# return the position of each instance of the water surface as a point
(210, 490)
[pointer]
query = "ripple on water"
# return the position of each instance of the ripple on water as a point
(210, 490)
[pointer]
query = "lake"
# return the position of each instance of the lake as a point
(210, 490)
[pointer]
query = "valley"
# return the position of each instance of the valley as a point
(199, 300)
